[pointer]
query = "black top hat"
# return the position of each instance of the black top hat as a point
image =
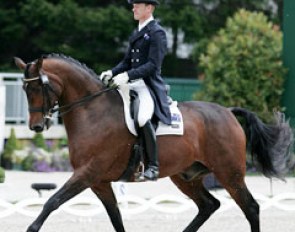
(153, 2)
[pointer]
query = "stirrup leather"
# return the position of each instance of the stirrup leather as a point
(139, 175)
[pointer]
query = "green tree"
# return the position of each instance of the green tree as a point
(96, 32)
(197, 21)
(216, 13)
(181, 16)
(11, 32)
(83, 32)
(243, 66)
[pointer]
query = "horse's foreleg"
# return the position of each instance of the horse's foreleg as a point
(105, 193)
(71, 188)
(206, 203)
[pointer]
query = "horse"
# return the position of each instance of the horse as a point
(100, 144)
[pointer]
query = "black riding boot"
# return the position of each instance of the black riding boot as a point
(149, 135)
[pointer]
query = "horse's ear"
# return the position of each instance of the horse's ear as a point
(19, 63)
(39, 64)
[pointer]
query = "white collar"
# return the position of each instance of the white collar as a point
(142, 25)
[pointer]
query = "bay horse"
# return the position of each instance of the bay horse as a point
(100, 144)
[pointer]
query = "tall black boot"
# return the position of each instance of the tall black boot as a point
(149, 135)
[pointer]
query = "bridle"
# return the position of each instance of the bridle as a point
(47, 108)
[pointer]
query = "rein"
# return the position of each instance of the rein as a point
(47, 113)
(69, 107)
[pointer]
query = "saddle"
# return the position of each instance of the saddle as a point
(135, 167)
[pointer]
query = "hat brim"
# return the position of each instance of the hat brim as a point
(143, 1)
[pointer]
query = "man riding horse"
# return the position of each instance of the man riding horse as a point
(141, 69)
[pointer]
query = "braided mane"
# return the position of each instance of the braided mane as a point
(71, 60)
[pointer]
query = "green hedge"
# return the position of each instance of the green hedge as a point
(242, 65)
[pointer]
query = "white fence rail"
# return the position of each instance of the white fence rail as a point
(130, 205)
(16, 106)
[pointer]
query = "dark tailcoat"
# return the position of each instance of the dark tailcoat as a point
(143, 59)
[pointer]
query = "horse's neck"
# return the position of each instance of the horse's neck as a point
(77, 88)
(76, 82)
(92, 112)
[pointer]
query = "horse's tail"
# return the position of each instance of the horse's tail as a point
(270, 145)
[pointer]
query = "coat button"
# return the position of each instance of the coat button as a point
(137, 50)
(137, 60)
(132, 50)
(132, 60)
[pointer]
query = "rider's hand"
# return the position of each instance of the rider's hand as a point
(120, 79)
(106, 76)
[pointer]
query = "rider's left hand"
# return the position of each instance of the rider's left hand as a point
(106, 77)
(120, 79)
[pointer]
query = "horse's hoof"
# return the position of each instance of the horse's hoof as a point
(32, 229)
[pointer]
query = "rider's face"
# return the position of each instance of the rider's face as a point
(142, 11)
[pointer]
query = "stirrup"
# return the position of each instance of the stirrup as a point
(152, 173)
(139, 175)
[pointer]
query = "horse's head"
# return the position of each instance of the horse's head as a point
(42, 93)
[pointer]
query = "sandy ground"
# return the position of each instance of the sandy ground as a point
(17, 187)
(230, 221)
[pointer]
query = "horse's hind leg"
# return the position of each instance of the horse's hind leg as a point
(105, 193)
(71, 188)
(249, 206)
(240, 193)
(206, 203)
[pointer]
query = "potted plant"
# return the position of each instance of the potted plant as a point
(39, 141)
(9, 148)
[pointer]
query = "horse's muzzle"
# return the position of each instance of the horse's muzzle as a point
(37, 127)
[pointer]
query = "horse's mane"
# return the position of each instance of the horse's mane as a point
(71, 60)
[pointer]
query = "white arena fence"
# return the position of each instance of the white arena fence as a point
(130, 205)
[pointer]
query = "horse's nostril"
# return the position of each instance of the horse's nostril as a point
(37, 128)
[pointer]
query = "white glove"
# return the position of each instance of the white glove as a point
(106, 76)
(121, 79)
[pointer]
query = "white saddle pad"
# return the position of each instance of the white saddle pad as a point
(176, 127)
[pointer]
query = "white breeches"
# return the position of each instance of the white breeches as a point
(146, 105)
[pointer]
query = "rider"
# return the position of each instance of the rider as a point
(141, 69)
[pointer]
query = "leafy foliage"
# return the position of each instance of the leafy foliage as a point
(10, 146)
(36, 27)
(242, 65)
(96, 32)
(2, 175)
(216, 13)
(39, 141)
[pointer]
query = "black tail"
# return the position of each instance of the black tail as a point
(270, 145)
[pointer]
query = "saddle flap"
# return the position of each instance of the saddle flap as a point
(176, 127)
